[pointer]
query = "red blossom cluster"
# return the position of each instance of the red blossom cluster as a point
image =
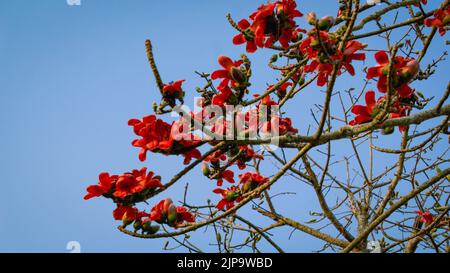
(128, 189)
(248, 182)
(129, 186)
(403, 71)
(271, 23)
(231, 74)
(160, 137)
(425, 217)
(321, 48)
(165, 212)
(441, 20)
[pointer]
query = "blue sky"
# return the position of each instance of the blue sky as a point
(72, 76)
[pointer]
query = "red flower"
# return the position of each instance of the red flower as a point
(229, 196)
(104, 185)
(281, 91)
(227, 175)
(158, 136)
(223, 97)
(241, 38)
(272, 22)
(135, 182)
(405, 69)
(184, 215)
(426, 217)
(287, 11)
(251, 181)
(166, 212)
(264, 23)
(188, 156)
(216, 157)
(323, 52)
(230, 71)
(125, 213)
(267, 101)
(246, 155)
(365, 113)
(350, 55)
(400, 112)
(173, 90)
(441, 20)
(155, 135)
(284, 126)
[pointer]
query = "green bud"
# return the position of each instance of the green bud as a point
(274, 58)
(137, 225)
(238, 75)
(172, 215)
(326, 23)
(387, 131)
(149, 228)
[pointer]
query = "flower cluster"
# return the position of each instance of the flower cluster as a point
(441, 20)
(403, 71)
(321, 48)
(165, 212)
(233, 78)
(324, 51)
(248, 182)
(160, 137)
(271, 23)
(128, 187)
(425, 217)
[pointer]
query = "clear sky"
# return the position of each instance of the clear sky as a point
(72, 76)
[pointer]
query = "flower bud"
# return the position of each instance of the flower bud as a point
(205, 169)
(126, 222)
(411, 69)
(387, 131)
(274, 58)
(231, 196)
(149, 228)
(311, 18)
(167, 203)
(446, 20)
(172, 214)
(237, 74)
(137, 225)
(326, 23)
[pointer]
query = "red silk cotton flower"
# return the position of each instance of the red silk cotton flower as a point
(135, 182)
(225, 174)
(365, 113)
(104, 186)
(125, 213)
(165, 212)
(251, 181)
(404, 70)
(231, 74)
(173, 91)
(229, 197)
(425, 217)
(158, 136)
(242, 39)
(323, 53)
(272, 22)
(441, 20)
(124, 185)
(231, 71)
